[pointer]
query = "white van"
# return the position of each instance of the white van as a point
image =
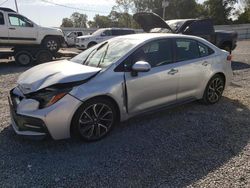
(101, 35)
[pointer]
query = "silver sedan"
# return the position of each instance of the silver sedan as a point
(116, 80)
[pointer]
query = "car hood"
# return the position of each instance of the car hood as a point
(150, 20)
(84, 37)
(58, 72)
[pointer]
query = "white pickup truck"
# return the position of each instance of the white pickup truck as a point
(17, 30)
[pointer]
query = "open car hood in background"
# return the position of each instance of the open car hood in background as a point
(150, 20)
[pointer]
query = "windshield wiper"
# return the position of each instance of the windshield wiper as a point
(95, 52)
(103, 57)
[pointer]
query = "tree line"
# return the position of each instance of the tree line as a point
(221, 11)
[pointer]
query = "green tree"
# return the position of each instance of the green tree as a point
(177, 8)
(120, 13)
(79, 20)
(100, 22)
(66, 22)
(220, 10)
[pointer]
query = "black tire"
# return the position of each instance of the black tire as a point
(52, 44)
(91, 44)
(227, 47)
(23, 58)
(93, 115)
(43, 56)
(214, 90)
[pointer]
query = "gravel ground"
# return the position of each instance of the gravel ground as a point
(188, 146)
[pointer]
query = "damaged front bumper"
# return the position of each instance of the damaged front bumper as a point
(28, 120)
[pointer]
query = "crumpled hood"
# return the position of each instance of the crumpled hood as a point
(58, 72)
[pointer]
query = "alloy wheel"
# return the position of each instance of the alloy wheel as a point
(215, 90)
(52, 45)
(96, 121)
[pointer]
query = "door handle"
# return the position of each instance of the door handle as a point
(12, 28)
(205, 63)
(173, 71)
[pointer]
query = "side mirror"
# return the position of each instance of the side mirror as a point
(187, 30)
(141, 66)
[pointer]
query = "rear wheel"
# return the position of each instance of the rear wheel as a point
(94, 119)
(43, 56)
(227, 47)
(23, 58)
(214, 90)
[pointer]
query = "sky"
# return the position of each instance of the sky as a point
(50, 15)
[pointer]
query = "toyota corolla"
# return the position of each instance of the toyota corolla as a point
(116, 80)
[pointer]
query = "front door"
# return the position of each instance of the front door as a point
(156, 87)
(21, 30)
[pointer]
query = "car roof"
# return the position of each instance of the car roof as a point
(6, 9)
(116, 28)
(148, 36)
(143, 37)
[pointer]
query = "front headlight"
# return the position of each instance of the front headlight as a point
(50, 96)
(82, 40)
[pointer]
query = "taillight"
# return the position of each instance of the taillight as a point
(229, 57)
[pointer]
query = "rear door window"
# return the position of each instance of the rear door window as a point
(204, 50)
(186, 49)
(1, 19)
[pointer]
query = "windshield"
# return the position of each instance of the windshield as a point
(160, 30)
(175, 24)
(98, 32)
(106, 53)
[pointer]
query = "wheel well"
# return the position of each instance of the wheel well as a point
(54, 36)
(100, 97)
(227, 43)
(221, 75)
(92, 42)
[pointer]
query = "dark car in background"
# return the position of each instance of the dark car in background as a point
(151, 22)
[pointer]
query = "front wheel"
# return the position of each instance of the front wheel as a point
(214, 90)
(94, 119)
(52, 44)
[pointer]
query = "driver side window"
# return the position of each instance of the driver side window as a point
(19, 21)
(106, 33)
(156, 53)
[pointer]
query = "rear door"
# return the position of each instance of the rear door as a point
(157, 87)
(193, 65)
(4, 35)
(21, 30)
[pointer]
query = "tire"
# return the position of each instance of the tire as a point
(43, 56)
(91, 44)
(52, 44)
(23, 58)
(94, 119)
(214, 90)
(227, 47)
